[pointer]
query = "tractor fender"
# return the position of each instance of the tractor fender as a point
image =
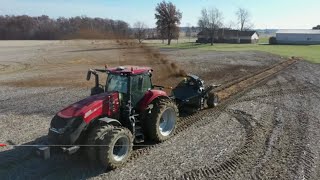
(150, 96)
(110, 121)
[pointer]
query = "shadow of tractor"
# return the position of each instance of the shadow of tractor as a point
(22, 162)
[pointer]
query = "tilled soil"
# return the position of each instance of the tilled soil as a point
(267, 132)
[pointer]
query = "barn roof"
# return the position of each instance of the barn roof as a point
(298, 31)
(229, 32)
(236, 33)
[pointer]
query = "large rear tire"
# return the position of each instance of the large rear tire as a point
(161, 123)
(92, 143)
(117, 147)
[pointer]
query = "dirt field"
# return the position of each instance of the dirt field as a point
(267, 132)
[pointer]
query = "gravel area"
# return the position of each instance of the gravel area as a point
(194, 148)
(268, 132)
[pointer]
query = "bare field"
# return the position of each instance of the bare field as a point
(269, 131)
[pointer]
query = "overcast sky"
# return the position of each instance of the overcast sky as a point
(278, 14)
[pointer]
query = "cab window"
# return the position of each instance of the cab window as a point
(117, 83)
(139, 86)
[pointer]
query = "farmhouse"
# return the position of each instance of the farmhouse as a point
(228, 36)
(298, 37)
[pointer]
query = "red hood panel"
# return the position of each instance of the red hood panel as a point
(85, 107)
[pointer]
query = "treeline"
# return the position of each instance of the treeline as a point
(316, 27)
(45, 28)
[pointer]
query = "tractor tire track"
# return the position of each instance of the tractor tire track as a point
(230, 166)
(298, 155)
(273, 136)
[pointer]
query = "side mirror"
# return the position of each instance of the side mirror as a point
(88, 75)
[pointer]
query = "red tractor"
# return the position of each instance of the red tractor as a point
(126, 110)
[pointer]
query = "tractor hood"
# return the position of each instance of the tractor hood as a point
(92, 107)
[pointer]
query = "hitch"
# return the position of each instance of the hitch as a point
(71, 150)
(45, 152)
(162, 87)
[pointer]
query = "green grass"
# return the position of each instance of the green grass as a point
(264, 40)
(307, 52)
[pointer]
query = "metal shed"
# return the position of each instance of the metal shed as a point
(298, 37)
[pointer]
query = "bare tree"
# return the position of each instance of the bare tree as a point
(168, 19)
(230, 25)
(210, 22)
(140, 31)
(244, 19)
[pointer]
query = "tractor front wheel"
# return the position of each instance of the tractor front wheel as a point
(116, 147)
(162, 121)
(92, 143)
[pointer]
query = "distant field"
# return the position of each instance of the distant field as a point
(307, 52)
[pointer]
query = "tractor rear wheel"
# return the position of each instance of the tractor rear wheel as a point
(212, 100)
(162, 121)
(117, 147)
(92, 143)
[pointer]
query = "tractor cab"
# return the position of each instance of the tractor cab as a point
(131, 82)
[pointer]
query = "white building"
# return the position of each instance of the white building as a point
(298, 37)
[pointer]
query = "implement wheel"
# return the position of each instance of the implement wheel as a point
(212, 100)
